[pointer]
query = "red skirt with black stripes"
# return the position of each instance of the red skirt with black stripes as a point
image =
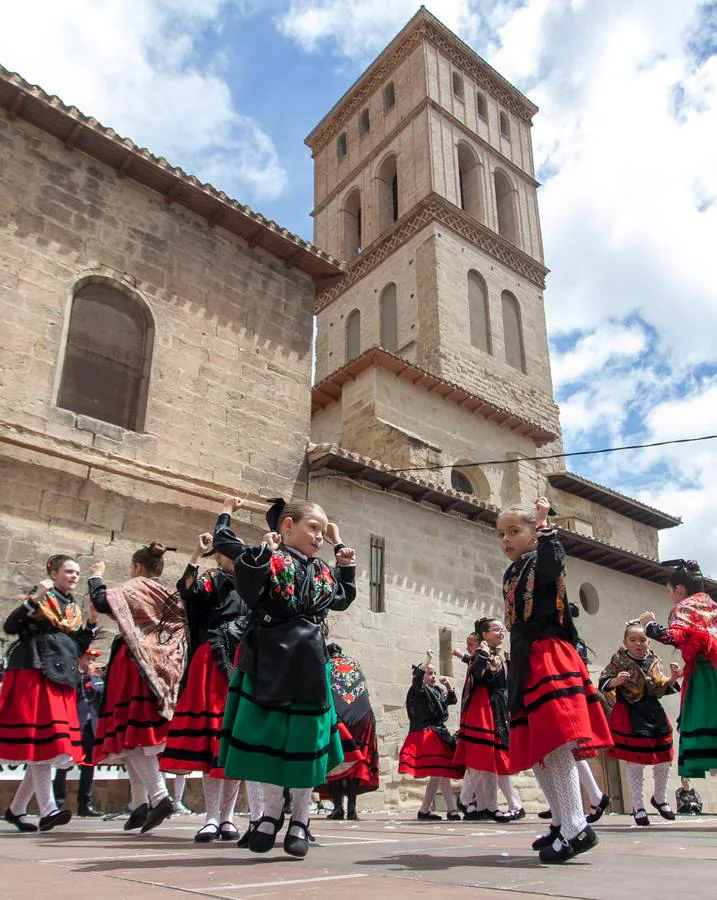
(360, 745)
(130, 716)
(646, 751)
(424, 755)
(38, 720)
(193, 740)
(479, 745)
(560, 706)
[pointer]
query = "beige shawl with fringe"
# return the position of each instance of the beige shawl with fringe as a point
(153, 622)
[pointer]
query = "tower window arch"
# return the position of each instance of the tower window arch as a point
(469, 182)
(506, 198)
(458, 89)
(388, 192)
(513, 331)
(364, 122)
(352, 224)
(469, 479)
(353, 335)
(478, 312)
(108, 354)
(388, 316)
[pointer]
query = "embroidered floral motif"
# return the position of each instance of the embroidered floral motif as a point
(206, 582)
(347, 680)
(323, 582)
(282, 574)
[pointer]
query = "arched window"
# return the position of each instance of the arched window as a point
(388, 318)
(364, 123)
(513, 332)
(506, 198)
(105, 373)
(458, 86)
(482, 105)
(469, 182)
(352, 224)
(505, 125)
(478, 312)
(353, 335)
(387, 193)
(470, 480)
(341, 145)
(460, 481)
(389, 97)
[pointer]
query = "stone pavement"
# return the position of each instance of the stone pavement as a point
(382, 856)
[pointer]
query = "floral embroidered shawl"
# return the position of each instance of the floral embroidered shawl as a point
(67, 618)
(693, 628)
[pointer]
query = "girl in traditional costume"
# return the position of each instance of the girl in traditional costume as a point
(144, 674)
(638, 723)
(357, 727)
(482, 745)
(428, 749)
(280, 725)
(38, 706)
(214, 613)
(692, 626)
(554, 706)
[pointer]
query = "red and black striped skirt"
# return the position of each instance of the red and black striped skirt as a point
(130, 716)
(424, 754)
(193, 740)
(646, 751)
(479, 745)
(560, 706)
(38, 720)
(362, 747)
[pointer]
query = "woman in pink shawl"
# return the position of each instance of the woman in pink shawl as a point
(143, 678)
(692, 626)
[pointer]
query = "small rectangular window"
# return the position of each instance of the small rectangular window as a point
(364, 123)
(505, 125)
(482, 105)
(377, 597)
(445, 651)
(341, 145)
(458, 86)
(389, 97)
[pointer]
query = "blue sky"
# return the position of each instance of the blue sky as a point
(624, 144)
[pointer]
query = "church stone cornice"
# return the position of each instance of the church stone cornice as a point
(422, 27)
(439, 210)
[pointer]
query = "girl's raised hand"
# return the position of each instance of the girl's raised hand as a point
(204, 542)
(96, 570)
(231, 505)
(332, 533)
(346, 557)
(542, 508)
(647, 616)
(675, 671)
(272, 539)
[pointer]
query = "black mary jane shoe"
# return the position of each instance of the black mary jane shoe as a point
(243, 842)
(545, 814)
(664, 809)
(454, 816)
(516, 814)
(584, 841)
(296, 846)
(337, 815)
(228, 831)
(137, 817)
(427, 817)
(597, 811)
(57, 817)
(475, 815)
(557, 852)
(640, 817)
(18, 823)
(157, 814)
(207, 834)
(497, 815)
(261, 841)
(545, 840)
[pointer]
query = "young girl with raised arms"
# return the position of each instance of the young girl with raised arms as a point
(638, 723)
(280, 725)
(554, 706)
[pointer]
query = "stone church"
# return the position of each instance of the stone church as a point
(158, 350)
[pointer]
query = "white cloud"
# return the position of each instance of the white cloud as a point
(609, 343)
(132, 64)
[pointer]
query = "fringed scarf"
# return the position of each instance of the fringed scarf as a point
(154, 625)
(59, 610)
(693, 628)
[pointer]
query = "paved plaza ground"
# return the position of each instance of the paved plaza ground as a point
(379, 857)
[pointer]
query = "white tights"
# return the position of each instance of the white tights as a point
(37, 781)
(559, 781)
(145, 778)
(274, 804)
(255, 799)
(636, 780)
(432, 789)
(587, 780)
(509, 792)
(220, 796)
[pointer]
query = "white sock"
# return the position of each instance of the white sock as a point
(545, 780)
(255, 799)
(661, 772)
(41, 774)
(587, 780)
(636, 780)
(468, 789)
(180, 783)
(490, 791)
(23, 795)
(447, 791)
(212, 799)
(149, 772)
(137, 791)
(566, 785)
(230, 792)
(273, 806)
(300, 803)
(509, 792)
(431, 790)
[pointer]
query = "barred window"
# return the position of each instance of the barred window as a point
(377, 599)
